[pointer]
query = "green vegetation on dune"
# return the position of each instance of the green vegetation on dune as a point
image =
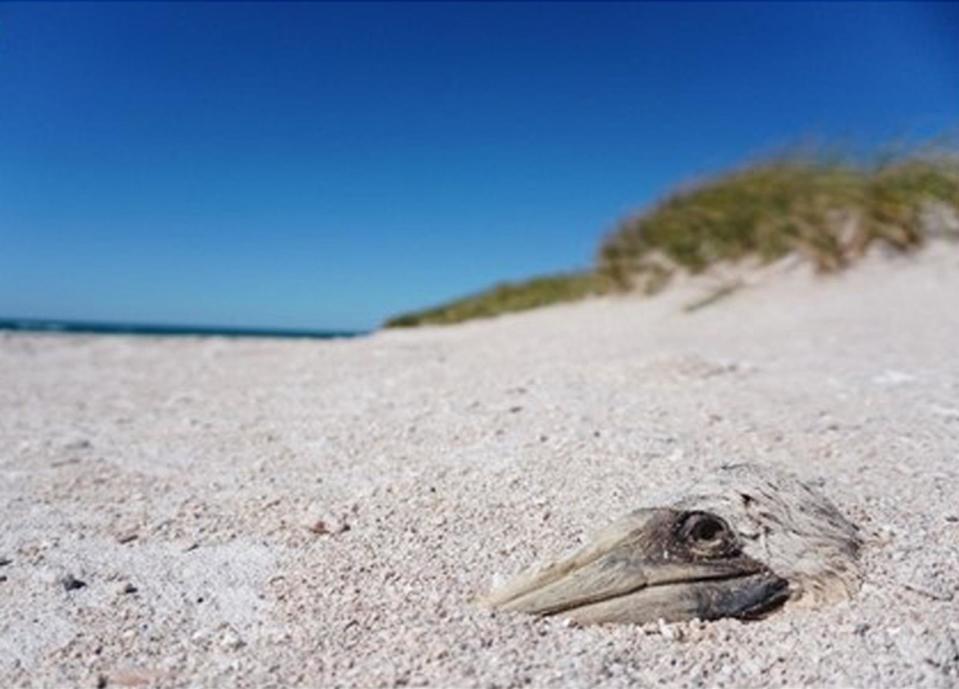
(509, 296)
(829, 210)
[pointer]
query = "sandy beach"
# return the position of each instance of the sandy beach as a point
(276, 513)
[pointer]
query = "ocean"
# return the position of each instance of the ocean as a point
(37, 325)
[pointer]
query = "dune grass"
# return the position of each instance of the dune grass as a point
(826, 208)
(506, 297)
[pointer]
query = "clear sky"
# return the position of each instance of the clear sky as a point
(325, 166)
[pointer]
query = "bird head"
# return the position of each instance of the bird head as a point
(739, 543)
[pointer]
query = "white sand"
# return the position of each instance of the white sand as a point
(460, 454)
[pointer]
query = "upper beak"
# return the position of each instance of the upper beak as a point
(623, 577)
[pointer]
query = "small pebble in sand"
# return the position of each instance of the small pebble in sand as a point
(231, 641)
(129, 588)
(669, 632)
(71, 583)
(328, 527)
(4, 561)
(132, 678)
(80, 444)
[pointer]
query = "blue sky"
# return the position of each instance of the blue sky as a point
(321, 165)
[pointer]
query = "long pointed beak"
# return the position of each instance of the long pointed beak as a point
(624, 576)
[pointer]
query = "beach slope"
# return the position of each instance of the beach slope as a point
(250, 512)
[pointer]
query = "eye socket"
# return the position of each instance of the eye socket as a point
(701, 528)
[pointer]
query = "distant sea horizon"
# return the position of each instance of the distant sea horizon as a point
(53, 325)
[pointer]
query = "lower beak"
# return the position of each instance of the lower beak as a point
(597, 587)
(747, 596)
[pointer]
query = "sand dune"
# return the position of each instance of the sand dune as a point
(320, 513)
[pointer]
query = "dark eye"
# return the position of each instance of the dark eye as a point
(701, 528)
